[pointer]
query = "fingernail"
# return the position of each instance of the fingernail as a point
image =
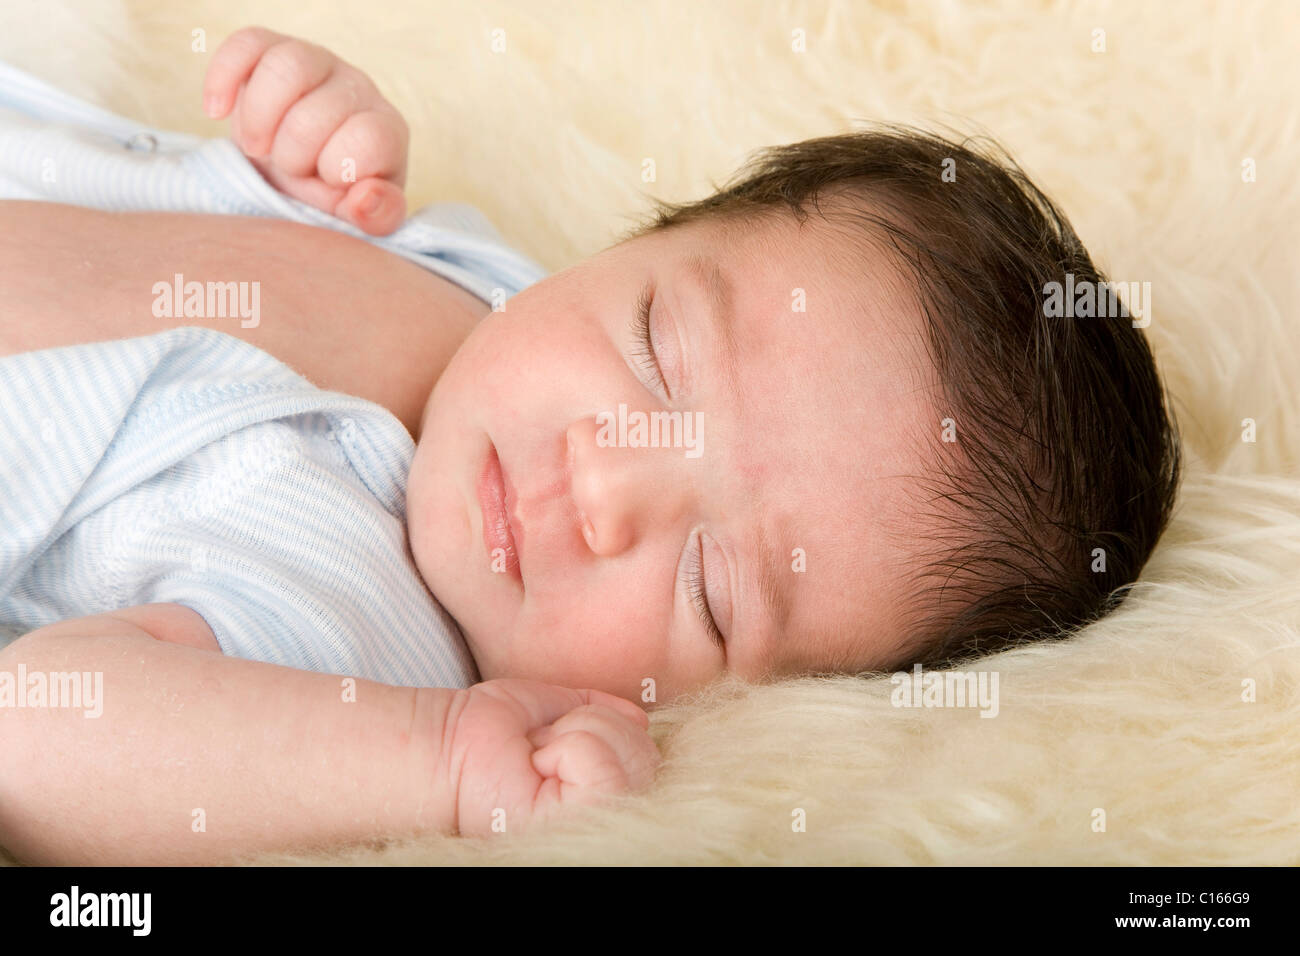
(370, 205)
(210, 104)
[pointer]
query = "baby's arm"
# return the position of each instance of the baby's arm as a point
(199, 758)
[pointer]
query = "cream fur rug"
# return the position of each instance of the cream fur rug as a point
(1143, 715)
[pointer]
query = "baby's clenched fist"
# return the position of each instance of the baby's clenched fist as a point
(515, 751)
(314, 126)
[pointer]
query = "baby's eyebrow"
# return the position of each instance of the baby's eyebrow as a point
(720, 293)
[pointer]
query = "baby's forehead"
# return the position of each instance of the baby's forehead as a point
(809, 307)
(840, 279)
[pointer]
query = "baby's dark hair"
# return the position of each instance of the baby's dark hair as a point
(1067, 460)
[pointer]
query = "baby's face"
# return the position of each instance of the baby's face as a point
(767, 511)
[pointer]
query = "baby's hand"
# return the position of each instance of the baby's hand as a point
(521, 749)
(315, 127)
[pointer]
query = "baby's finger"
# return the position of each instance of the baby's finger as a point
(539, 737)
(310, 122)
(621, 704)
(374, 206)
(231, 65)
(541, 704)
(307, 189)
(286, 72)
(371, 142)
(585, 765)
(636, 752)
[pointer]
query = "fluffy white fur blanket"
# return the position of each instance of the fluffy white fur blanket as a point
(1144, 715)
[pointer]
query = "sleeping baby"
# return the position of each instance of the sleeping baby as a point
(362, 527)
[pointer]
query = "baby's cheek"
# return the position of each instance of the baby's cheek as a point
(603, 646)
(630, 644)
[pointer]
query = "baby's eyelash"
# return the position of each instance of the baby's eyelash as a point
(643, 347)
(699, 594)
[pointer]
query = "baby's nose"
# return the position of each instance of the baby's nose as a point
(619, 491)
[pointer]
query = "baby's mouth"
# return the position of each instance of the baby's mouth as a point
(499, 525)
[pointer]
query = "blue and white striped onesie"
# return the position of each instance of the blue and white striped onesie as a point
(192, 467)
